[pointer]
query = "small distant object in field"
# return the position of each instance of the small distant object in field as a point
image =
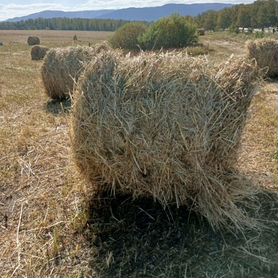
(63, 66)
(265, 51)
(167, 126)
(38, 52)
(32, 40)
(75, 39)
(201, 31)
(1, 44)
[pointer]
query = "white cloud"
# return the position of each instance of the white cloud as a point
(14, 10)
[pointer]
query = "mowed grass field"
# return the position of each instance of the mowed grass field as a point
(51, 225)
(52, 38)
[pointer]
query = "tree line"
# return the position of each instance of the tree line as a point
(260, 14)
(64, 24)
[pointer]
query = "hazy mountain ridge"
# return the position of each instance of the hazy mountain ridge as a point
(137, 14)
(61, 14)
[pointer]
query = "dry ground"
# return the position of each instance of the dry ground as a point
(50, 225)
(52, 38)
(222, 45)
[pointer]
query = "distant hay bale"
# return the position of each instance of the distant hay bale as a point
(62, 67)
(166, 126)
(32, 40)
(38, 52)
(265, 51)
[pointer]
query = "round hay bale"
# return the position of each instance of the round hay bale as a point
(63, 66)
(166, 126)
(61, 69)
(32, 40)
(265, 51)
(38, 52)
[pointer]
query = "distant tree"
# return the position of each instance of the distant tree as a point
(127, 36)
(209, 20)
(244, 17)
(171, 32)
(224, 19)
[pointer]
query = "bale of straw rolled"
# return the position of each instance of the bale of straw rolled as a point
(63, 66)
(61, 69)
(166, 126)
(32, 40)
(265, 51)
(38, 52)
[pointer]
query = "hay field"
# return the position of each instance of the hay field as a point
(224, 44)
(51, 226)
(52, 38)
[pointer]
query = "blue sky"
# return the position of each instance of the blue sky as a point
(13, 8)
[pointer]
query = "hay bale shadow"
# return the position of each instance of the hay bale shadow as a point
(139, 238)
(58, 107)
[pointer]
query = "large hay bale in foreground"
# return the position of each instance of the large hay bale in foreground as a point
(265, 51)
(62, 67)
(38, 52)
(32, 40)
(166, 126)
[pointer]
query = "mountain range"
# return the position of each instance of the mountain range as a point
(132, 14)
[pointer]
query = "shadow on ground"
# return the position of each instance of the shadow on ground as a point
(57, 107)
(138, 238)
